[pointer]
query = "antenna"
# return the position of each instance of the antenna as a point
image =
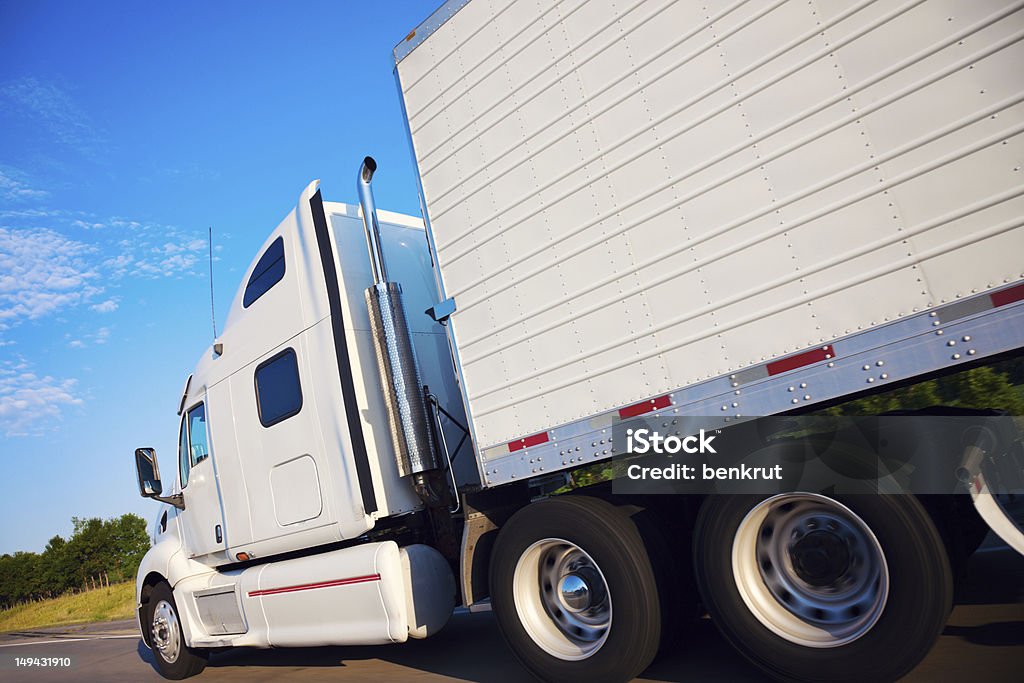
(213, 313)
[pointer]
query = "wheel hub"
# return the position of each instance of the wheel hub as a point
(810, 569)
(576, 592)
(820, 558)
(562, 598)
(166, 634)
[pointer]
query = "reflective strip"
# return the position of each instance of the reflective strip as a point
(534, 440)
(1007, 296)
(962, 309)
(800, 360)
(749, 375)
(311, 586)
(647, 406)
(492, 453)
(604, 420)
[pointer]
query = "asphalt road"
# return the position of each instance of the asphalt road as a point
(983, 641)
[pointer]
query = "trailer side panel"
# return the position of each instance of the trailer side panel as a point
(630, 198)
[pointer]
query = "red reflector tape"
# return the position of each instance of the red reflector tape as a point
(800, 360)
(1007, 296)
(311, 586)
(647, 406)
(528, 441)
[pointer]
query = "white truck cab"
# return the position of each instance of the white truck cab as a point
(285, 445)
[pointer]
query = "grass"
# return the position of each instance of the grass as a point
(101, 604)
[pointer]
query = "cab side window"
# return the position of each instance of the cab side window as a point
(268, 272)
(184, 462)
(193, 445)
(278, 393)
(199, 448)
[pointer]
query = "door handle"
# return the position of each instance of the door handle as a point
(220, 536)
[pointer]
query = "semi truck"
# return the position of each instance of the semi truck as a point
(646, 209)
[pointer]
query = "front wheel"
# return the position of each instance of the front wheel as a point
(174, 659)
(812, 587)
(574, 593)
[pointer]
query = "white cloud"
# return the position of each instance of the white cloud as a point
(30, 213)
(93, 224)
(143, 249)
(100, 336)
(29, 403)
(108, 306)
(118, 265)
(14, 189)
(55, 111)
(171, 259)
(41, 272)
(86, 225)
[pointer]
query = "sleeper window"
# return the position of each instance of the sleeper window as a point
(268, 272)
(278, 394)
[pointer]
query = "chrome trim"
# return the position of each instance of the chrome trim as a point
(370, 224)
(165, 632)
(426, 28)
(410, 430)
(909, 347)
(403, 393)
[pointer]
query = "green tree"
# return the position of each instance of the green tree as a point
(54, 567)
(96, 547)
(87, 548)
(990, 386)
(983, 387)
(921, 395)
(129, 541)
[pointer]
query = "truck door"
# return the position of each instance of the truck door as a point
(292, 464)
(203, 518)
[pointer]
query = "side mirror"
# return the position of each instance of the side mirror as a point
(148, 472)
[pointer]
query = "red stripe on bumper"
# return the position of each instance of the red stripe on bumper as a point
(800, 360)
(534, 440)
(645, 407)
(311, 586)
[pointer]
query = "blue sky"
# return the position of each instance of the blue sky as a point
(125, 130)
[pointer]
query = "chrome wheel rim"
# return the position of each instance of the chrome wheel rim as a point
(810, 570)
(166, 631)
(562, 599)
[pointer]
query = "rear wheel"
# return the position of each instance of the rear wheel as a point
(174, 659)
(574, 593)
(811, 587)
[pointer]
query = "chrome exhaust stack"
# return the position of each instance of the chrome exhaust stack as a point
(403, 392)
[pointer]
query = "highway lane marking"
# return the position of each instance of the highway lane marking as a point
(67, 640)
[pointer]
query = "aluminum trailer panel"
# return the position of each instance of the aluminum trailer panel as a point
(630, 199)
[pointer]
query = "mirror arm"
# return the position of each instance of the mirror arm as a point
(177, 500)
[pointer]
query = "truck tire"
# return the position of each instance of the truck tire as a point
(808, 587)
(574, 593)
(174, 659)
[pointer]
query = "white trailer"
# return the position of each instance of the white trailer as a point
(652, 209)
